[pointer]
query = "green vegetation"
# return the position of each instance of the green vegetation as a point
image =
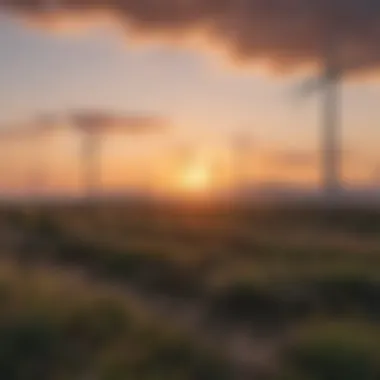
(349, 351)
(54, 326)
(310, 275)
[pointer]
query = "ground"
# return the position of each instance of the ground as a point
(224, 291)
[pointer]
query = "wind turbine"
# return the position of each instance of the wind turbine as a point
(338, 61)
(42, 127)
(341, 52)
(376, 176)
(94, 126)
(91, 126)
(330, 83)
(241, 147)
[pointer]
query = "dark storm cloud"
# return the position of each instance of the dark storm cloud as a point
(285, 33)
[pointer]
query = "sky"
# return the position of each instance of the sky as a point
(205, 97)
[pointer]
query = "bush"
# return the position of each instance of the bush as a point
(57, 327)
(30, 348)
(337, 352)
(249, 303)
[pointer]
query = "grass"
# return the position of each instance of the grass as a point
(270, 270)
(333, 350)
(55, 326)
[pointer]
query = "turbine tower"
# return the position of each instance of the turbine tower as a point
(94, 126)
(241, 148)
(330, 84)
(91, 155)
(91, 126)
(338, 60)
(340, 52)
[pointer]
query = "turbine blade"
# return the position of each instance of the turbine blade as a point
(310, 86)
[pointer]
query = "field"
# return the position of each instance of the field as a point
(172, 291)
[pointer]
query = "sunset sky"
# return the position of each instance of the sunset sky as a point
(205, 96)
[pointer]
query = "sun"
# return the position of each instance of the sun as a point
(195, 178)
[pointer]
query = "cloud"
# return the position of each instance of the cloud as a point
(89, 121)
(285, 34)
(34, 129)
(102, 121)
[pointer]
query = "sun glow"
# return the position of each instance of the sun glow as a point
(196, 178)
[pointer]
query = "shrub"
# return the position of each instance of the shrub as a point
(348, 352)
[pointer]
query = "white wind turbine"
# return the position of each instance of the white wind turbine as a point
(330, 83)
(338, 60)
(341, 50)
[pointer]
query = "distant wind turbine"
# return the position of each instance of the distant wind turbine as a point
(94, 126)
(376, 176)
(91, 125)
(241, 148)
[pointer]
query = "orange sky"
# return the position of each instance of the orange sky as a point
(159, 165)
(205, 102)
